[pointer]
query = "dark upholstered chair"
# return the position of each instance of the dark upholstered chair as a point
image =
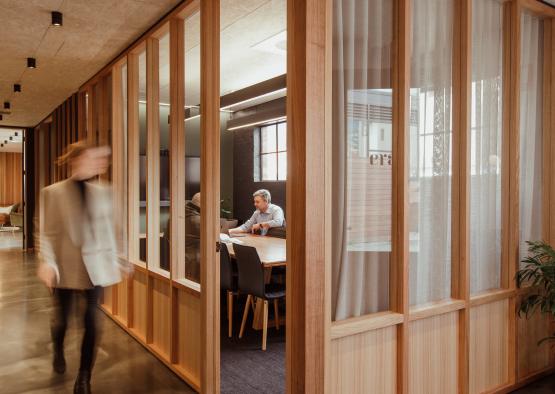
(251, 282)
(228, 282)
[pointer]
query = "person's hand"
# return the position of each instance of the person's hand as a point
(47, 275)
(255, 228)
(265, 225)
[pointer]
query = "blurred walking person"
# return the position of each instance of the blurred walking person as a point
(78, 249)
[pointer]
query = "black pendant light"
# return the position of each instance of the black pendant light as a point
(6, 105)
(57, 18)
(31, 62)
(16, 87)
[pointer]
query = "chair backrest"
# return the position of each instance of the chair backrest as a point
(278, 232)
(226, 271)
(251, 272)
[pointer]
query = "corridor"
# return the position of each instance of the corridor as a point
(122, 364)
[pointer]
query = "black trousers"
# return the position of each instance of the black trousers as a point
(62, 305)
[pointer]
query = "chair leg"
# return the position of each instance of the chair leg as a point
(247, 305)
(230, 314)
(265, 325)
(276, 314)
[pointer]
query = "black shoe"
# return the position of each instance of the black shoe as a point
(59, 363)
(82, 383)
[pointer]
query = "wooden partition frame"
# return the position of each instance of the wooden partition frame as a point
(461, 304)
(314, 342)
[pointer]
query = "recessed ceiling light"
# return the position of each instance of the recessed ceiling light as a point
(6, 105)
(31, 62)
(16, 87)
(57, 18)
(276, 44)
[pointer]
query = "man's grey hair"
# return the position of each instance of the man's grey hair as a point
(265, 194)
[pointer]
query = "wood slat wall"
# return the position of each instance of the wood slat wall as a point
(11, 178)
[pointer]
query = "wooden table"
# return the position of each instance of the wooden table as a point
(271, 250)
(272, 253)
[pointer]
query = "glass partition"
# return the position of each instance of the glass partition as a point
(142, 155)
(485, 145)
(430, 153)
(164, 129)
(191, 268)
(531, 155)
(362, 156)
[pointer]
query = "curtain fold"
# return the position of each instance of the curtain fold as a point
(485, 144)
(362, 110)
(430, 151)
(531, 157)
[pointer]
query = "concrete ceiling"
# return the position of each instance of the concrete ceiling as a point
(93, 33)
(252, 49)
(13, 145)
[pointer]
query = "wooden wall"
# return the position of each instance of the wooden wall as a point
(11, 178)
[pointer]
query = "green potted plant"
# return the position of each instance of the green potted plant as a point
(226, 218)
(538, 273)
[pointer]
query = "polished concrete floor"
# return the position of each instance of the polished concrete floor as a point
(122, 364)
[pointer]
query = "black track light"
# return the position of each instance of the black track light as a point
(1, 145)
(31, 62)
(16, 133)
(57, 18)
(5, 141)
(11, 138)
(1, 117)
(16, 87)
(6, 105)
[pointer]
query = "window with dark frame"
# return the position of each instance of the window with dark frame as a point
(271, 152)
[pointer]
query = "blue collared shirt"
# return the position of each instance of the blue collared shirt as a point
(273, 216)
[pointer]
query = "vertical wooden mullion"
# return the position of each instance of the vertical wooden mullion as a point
(550, 51)
(460, 273)
(177, 175)
(133, 212)
(306, 117)
(153, 174)
(210, 195)
(117, 162)
(399, 277)
(546, 128)
(511, 158)
(81, 120)
(91, 129)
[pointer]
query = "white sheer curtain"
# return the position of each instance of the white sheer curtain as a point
(430, 151)
(530, 131)
(485, 145)
(362, 110)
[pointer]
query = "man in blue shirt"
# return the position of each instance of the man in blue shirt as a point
(266, 216)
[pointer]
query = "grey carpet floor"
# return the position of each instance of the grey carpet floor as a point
(245, 368)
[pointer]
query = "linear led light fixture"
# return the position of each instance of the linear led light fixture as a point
(260, 122)
(254, 98)
(193, 117)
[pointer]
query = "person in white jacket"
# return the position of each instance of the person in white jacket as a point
(77, 248)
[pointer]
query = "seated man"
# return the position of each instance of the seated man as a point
(266, 216)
